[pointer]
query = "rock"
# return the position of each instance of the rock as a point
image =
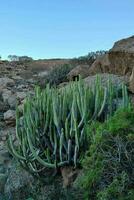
(9, 117)
(69, 175)
(6, 94)
(5, 82)
(124, 45)
(21, 108)
(4, 133)
(12, 101)
(116, 80)
(21, 95)
(42, 74)
(3, 178)
(119, 60)
(79, 70)
(18, 184)
(100, 65)
(61, 85)
(3, 107)
(16, 78)
(131, 82)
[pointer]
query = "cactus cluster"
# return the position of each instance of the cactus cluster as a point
(52, 133)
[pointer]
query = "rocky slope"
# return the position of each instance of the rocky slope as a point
(119, 60)
(17, 80)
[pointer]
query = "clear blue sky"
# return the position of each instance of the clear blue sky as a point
(63, 28)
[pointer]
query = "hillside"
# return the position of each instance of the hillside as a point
(71, 139)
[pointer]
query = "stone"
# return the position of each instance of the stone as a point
(131, 82)
(3, 106)
(43, 74)
(12, 101)
(6, 94)
(100, 65)
(61, 85)
(21, 108)
(21, 95)
(3, 178)
(69, 175)
(5, 82)
(17, 78)
(18, 183)
(79, 70)
(9, 116)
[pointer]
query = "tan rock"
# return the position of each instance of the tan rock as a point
(69, 175)
(79, 70)
(131, 82)
(101, 65)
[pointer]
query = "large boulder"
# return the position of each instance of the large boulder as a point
(100, 65)
(131, 82)
(119, 60)
(116, 80)
(79, 70)
(5, 82)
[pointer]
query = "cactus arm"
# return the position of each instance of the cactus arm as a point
(61, 145)
(104, 102)
(75, 155)
(69, 150)
(12, 149)
(40, 160)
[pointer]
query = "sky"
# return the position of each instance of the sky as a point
(63, 28)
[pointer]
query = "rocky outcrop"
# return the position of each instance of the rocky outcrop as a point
(100, 65)
(131, 82)
(79, 70)
(119, 60)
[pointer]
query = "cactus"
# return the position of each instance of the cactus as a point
(53, 131)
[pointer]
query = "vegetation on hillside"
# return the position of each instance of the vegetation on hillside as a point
(52, 133)
(20, 58)
(89, 58)
(109, 162)
(58, 74)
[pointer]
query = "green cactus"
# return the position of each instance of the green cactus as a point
(53, 131)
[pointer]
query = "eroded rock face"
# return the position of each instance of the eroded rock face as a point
(131, 82)
(79, 70)
(119, 60)
(101, 65)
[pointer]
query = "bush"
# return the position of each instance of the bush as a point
(53, 131)
(109, 162)
(58, 74)
(89, 58)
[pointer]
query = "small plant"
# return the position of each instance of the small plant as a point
(53, 131)
(109, 162)
(58, 74)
